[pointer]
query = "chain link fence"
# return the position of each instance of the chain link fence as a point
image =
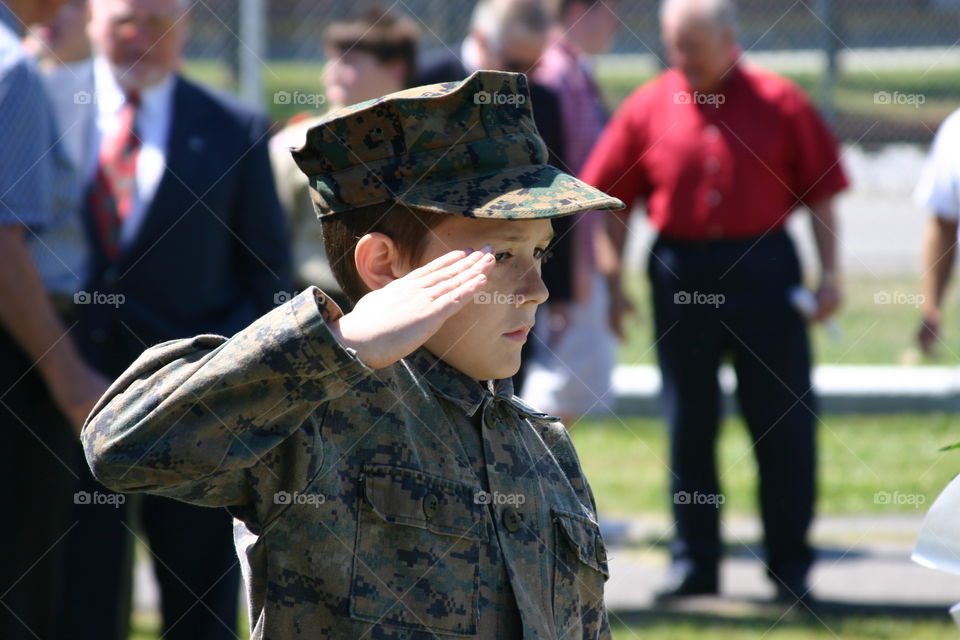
(882, 70)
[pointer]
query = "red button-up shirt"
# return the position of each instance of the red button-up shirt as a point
(728, 165)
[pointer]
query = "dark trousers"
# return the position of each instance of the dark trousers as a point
(36, 472)
(193, 556)
(191, 547)
(722, 299)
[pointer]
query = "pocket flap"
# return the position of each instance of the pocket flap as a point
(583, 536)
(411, 497)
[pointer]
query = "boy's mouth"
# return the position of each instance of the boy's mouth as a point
(520, 334)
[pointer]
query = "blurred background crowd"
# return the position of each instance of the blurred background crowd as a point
(147, 192)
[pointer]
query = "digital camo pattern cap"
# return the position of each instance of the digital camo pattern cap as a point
(469, 148)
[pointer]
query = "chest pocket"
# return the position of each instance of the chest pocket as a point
(417, 557)
(580, 570)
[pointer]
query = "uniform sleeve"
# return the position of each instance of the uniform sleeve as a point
(190, 417)
(939, 187)
(27, 170)
(816, 171)
(615, 165)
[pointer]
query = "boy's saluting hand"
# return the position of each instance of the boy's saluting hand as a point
(395, 320)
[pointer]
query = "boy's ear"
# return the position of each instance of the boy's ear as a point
(377, 260)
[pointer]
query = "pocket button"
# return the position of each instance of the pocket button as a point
(431, 504)
(512, 519)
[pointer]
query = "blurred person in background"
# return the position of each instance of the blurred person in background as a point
(63, 51)
(722, 153)
(188, 237)
(938, 191)
(572, 358)
(512, 35)
(61, 40)
(367, 57)
(46, 389)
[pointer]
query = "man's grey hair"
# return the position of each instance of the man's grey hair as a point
(722, 14)
(493, 17)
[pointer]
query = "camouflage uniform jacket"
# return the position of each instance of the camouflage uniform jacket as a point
(406, 502)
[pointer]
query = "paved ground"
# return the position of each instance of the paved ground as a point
(863, 565)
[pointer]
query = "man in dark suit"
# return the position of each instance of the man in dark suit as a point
(511, 35)
(188, 238)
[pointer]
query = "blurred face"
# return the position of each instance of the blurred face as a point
(520, 51)
(484, 338)
(702, 51)
(63, 37)
(594, 26)
(355, 75)
(142, 39)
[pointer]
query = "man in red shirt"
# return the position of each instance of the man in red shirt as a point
(722, 153)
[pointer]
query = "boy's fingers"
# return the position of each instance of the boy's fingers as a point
(449, 273)
(439, 263)
(462, 292)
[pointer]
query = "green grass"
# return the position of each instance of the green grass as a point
(858, 456)
(651, 626)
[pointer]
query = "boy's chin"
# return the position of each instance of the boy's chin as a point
(493, 370)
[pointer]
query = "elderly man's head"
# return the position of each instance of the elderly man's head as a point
(142, 39)
(700, 39)
(510, 34)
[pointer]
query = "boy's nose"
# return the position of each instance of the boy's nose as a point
(532, 287)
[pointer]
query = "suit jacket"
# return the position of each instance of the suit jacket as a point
(212, 253)
(557, 272)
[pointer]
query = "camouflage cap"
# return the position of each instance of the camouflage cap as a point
(469, 148)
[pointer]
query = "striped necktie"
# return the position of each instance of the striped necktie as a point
(114, 187)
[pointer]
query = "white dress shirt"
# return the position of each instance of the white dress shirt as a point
(153, 128)
(939, 187)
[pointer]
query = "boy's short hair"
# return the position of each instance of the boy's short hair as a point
(408, 228)
(384, 34)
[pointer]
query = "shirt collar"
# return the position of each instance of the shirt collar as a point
(111, 96)
(469, 55)
(465, 392)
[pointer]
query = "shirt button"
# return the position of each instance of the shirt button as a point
(712, 164)
(512, 519)
(714, 198)
(601, 551)
(431, 504)
(711, 132)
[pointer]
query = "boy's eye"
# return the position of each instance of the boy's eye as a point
(539, 254)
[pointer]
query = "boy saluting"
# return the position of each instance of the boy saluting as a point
(385, 481)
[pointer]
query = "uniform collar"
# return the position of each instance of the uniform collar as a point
(456, 386)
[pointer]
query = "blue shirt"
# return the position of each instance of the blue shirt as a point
(39, 188)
